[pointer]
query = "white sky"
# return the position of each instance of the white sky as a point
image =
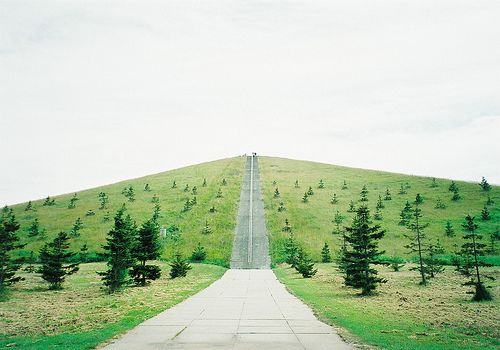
(95, 91)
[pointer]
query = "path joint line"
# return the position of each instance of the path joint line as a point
(250, 215)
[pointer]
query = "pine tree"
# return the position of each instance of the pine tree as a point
(344, 185)
(489, 201)
(34, 229)
(485, 214)
(118, 251)
(174, 184)
(204, 182)
(224, 182)
(434, 183)
(77, 226)
(485, 185)
(90, 212)
(305, 265)
(274, 183)
(83, 255)
(281, 208)
(419, 199)
(453, 187)
(212, 210)
(9, 242)
(448, 230)
(155, 199)
(380, 204)
(474, 248)
(440, 204)
(186, 189)
(406, 214)
(321, 184)
(103, 200)
(31, 260)
(387, 196)
(296, 184)
(326, 257)
(106, 217)
(363, 241)
(206, 229)
(194, 201)
(378, 215)
(29, 207)
(276, 193)
(52, 258)
(146, 247)
(179, 267)
(305, 198)
(338, 219)
(287, 227)
(364, 194)
(187, 206)
(352, 207)
(72, 201)
(396, 263)
(334, 199)
(219, 193)
(418, 243)
(456, 195)
(310, 191)
(147, 188)
(129, 193)
(199, 253)
(402, 190)
(194, 191)
(407, 185)
(434, 265)
(291, 251)
(494, 238)
(49, 202)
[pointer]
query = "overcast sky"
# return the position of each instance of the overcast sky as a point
(95, 91)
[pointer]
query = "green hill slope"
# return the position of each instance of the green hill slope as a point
(312, 221)
(58, 217)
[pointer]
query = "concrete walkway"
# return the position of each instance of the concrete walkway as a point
(245, 309)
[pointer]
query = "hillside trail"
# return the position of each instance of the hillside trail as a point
(248, 308)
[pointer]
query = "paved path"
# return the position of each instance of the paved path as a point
(250, 246)
(248, 308)
(245, 309)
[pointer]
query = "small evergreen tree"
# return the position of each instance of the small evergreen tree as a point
(363, 241)
(174, 184)
(305, 198)
(387, 196)
(281, 207)
(310, 191)
(179, 267)
(206, 229)
(456, 195)
(406, 214)
(296, 184)
(194, 191)
(187, 206)
(338, 219)
(485, 214)
(155, 199)
(418, 243)
(224, 182)
(90, 212)
(396, 263)
(186, 189)
(212, 210)
(146, 247)
(34, 228)
(287, 227)
(489, 201)
(434, 183)
(199, 253)
(485, 185)
(378, 215)
(204, 183)
(9, 242)
(494, 238)
(321, 184)
(453, 187)
(474, 248)
(83, 254)
(344, 185)
(77, 226)
(326, 257)
(449, 230)
(305, 265)
(419, 199)
(53, 255)
(364, 194)
(434, 265)
(147, 188)
(352, 207)
(291, 251)
(118, 251)
(334, 199)
(72, 201)
(276, 193)
(274, 182)
(194, 201)
(103, 200)
(29, 207)
(49, 202)
(129, 193)
(380, 204)
(402, 190)
(219, 193)
(106, 217)
(440, 204)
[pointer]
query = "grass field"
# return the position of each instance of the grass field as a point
(218, 244)
(82, 315)
(403, 315)
(312, 221)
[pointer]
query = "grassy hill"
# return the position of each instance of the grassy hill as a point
(59, 217)
(312, 221)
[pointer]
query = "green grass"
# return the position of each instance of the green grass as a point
(82, 315)
(403, 315)
(312, 222)
(218, 244)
